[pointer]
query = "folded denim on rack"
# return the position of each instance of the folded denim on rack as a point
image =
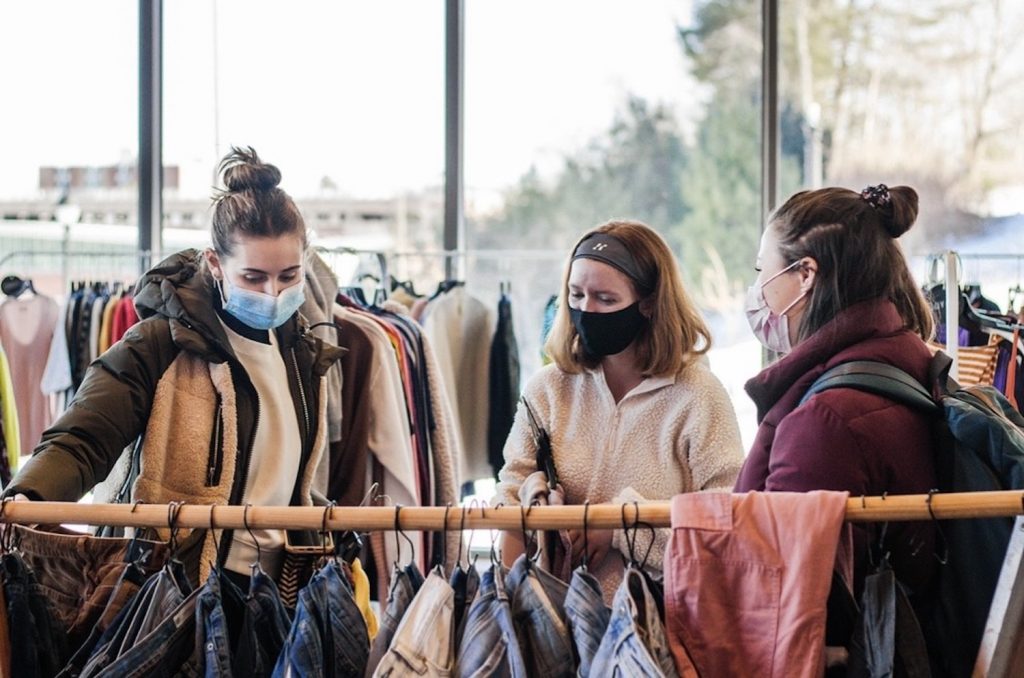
(77, 572)
(423, 640)
(588, 617)
(159, 598)
(538, 609)
(219, 610)
(328, 629)
(264, 629)
(634, 644)
(165, 652)
(38, 645)
(405, 584)
(489, 644)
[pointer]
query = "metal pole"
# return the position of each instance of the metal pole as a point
(769, 107)
(454, 222)
(150, 174)
(952, 312)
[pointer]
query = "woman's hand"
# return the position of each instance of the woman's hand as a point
(599, 543)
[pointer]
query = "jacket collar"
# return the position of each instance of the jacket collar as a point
(862, 321)
(181, 289)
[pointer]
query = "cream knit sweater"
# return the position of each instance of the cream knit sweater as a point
(667, 436)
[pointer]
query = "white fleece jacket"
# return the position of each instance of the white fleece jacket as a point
(667, 436)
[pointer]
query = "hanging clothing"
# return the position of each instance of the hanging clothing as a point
(747, 579)
(124, 318)
(56, 377)
(26, 330)
(405, 584)
(460, 328)
(538, 611)
(634, 644)
(107, 321)
(489, 644)
(422, 644)
(9, 416)
(328, 630)
(504, 385)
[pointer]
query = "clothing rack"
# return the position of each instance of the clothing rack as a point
(935, 506)
(142, 258)
(953, 263)
(382, 260)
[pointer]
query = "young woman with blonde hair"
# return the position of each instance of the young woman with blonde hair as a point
(632, 410)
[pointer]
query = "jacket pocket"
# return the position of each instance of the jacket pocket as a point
(215, 461)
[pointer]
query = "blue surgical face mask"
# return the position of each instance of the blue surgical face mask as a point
(258, 310)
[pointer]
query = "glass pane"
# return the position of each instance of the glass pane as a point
(922, 94)
(345, 98)
(653, 114)
(69, 135)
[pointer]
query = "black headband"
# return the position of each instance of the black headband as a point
(610, 250)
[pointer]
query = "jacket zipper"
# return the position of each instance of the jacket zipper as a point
(216, 460)
(302, 396)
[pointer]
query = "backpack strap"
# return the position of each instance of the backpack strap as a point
(878, 378)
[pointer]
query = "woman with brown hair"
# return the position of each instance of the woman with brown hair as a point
(832, 287)
(632, 410)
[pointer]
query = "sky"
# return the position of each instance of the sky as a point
(350, 90)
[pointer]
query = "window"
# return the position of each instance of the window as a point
(345, 98)
(653, 114)
(70, 112)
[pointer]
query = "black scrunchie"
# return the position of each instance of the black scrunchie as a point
(877, 196)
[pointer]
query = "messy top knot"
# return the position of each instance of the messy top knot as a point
(242, 170)
(252, 205)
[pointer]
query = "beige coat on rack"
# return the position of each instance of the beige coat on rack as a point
(461, 329)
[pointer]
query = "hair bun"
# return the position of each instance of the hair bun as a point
(902, 211)
(242, 170)
(896, 207)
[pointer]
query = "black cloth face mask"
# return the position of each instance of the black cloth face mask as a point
(608, 333)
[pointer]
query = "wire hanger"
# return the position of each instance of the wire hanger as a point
(401, 533)
(257, 566)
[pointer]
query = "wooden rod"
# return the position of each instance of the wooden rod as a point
(656, 514)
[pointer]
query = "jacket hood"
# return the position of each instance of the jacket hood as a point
(181, 289)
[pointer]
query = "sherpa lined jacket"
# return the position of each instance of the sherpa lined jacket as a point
(175, 378)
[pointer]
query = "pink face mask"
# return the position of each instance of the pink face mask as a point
(771, 329)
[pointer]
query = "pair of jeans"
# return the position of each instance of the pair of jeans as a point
(219, 609)
(634, 644)
(77, 572)
(265, 626)
(588, 617)
(423, 641)
(489, 644)
(166, 651)
(38, 645)
(159, 597)
(465, 584)
(328, 636)
(405, 583)
(538, 610)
